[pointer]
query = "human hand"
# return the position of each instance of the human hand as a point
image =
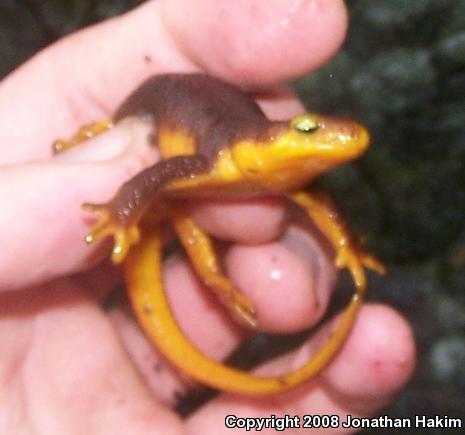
(64, 369)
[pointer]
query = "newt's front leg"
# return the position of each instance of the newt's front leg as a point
(84, 133)
(120, 216)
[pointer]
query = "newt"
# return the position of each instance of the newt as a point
(215, 142)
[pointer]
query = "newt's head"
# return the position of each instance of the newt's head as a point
(301, 149)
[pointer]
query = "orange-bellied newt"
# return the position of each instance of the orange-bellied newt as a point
(215, 142)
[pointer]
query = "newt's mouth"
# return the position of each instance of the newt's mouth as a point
(347, 140)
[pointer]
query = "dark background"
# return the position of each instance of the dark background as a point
(402, 72)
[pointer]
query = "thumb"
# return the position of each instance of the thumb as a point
(42, 221)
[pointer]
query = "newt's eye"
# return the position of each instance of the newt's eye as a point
(306, 125)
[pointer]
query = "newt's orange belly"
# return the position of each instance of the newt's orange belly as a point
(226, 179)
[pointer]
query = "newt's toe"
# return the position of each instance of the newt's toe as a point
(356, 259)
(371, 262)
(83, 134)
(108, 225)
(242, 310)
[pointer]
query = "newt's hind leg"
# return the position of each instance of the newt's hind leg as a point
(84, 133)
(201, 253)
(349, 252)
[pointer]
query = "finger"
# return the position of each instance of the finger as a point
(159, 37)
(248, 221)
(375, 362)
(292, 275)
(207, 324)
(251, 37)
(43, 225)
(63, 367)
(279, 103)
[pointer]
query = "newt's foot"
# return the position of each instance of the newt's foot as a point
(355, 259)
(241, 309)
(86, 132)
(108, 225)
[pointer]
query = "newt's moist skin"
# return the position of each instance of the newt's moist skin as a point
(216, 142)
(202, 117)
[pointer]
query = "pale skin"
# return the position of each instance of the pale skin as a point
(64, 368)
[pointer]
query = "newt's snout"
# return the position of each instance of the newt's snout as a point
(335, 139)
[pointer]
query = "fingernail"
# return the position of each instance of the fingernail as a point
(315, 255)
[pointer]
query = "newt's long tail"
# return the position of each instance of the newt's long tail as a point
(145, 287)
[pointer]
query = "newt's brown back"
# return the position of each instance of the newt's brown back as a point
(216, 114)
